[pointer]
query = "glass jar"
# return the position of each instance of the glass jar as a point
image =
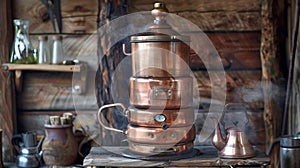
(57, 53)
(22, 51)
(43, 50)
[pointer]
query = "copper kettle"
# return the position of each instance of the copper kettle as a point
(234, 145)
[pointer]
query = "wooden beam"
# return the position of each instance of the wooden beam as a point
(272, 73)
(7, 110)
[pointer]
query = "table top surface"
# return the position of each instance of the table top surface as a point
(202, 156)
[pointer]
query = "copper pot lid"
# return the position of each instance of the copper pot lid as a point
(160, 30)
(159, 38)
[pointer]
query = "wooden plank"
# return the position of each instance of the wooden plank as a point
(76, 25)
(53, 91)
(272, 74)
(77, 16)
(224, 21)
(235, 40)
(238, 15)
(242, 87)
(231, 60)
(7, 110)
(207, 157)
(236, 52)
(43, 67)
(196, 5)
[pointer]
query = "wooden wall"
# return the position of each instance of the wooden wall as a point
(233, 26)
(7, 110)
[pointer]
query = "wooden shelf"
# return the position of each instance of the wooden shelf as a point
(43, 67)
(207, 156)
(80, 83)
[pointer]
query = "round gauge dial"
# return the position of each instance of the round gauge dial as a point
(160, 118)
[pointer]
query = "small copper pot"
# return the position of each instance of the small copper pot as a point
(160, 118)
(161, 93)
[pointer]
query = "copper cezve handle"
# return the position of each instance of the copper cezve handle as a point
(124, 110)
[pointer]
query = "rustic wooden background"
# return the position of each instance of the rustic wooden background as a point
(233, 26)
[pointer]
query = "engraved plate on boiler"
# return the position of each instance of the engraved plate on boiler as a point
(161, 94)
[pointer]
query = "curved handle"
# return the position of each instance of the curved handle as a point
(16, 139)
(124, 50)
(110, 106)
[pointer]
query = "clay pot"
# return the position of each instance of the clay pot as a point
(59, 147)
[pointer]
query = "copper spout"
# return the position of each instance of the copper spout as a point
(218, 141)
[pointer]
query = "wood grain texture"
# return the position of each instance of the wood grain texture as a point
(239, 89)
(236, 52)
(7, 110)
(45, 67)
(224, 21)
(53, 91)
(196, 5)
(271, 75)
(211, 15)
(77, 16)
(207, 157)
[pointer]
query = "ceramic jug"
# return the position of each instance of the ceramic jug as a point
(60, 146)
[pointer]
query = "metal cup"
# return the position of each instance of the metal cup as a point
(27, 139)
(290, 151)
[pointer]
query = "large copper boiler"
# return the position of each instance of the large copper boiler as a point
(160, 115)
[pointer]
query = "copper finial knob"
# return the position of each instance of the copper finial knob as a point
(159, 12)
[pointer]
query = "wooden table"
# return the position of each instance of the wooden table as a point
(207, 157)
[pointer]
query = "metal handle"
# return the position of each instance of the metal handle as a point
(110, 106)
(124, 50)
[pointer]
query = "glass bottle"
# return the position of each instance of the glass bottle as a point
(43, 51)
(57, 54)
(22, 51)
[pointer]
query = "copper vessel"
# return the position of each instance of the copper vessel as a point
(161, 51)
(154, 137)
(161, 93)
(172, 135)
(157, 149)
(159, 56)
(160, 118)
(235, 145)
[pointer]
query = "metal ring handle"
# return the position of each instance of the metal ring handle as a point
(110, 106)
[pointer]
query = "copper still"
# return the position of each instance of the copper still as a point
(160, 115)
